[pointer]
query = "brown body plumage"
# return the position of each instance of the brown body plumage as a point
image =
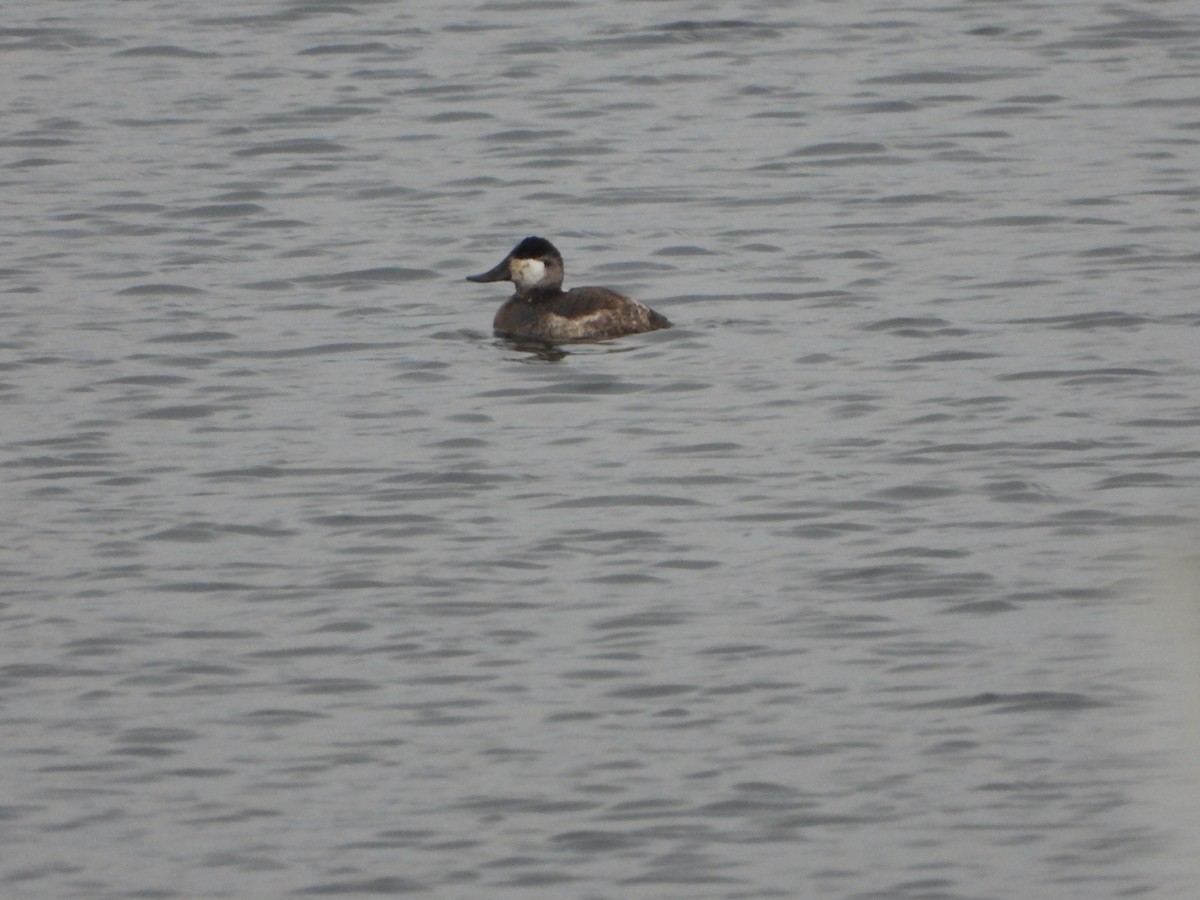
(541, 310)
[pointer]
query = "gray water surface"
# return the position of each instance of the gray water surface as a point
(875, 577)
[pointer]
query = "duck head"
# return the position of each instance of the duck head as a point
(533, 264)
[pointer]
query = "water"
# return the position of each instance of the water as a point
(874, 577)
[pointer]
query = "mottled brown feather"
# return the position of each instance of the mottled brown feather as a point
(581, 314)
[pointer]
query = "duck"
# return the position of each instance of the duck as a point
(540, 310)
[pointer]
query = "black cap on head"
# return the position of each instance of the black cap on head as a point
(534, 248)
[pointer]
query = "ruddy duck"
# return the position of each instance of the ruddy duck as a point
(541, 310)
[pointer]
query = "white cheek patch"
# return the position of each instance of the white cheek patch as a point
(527, 272)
